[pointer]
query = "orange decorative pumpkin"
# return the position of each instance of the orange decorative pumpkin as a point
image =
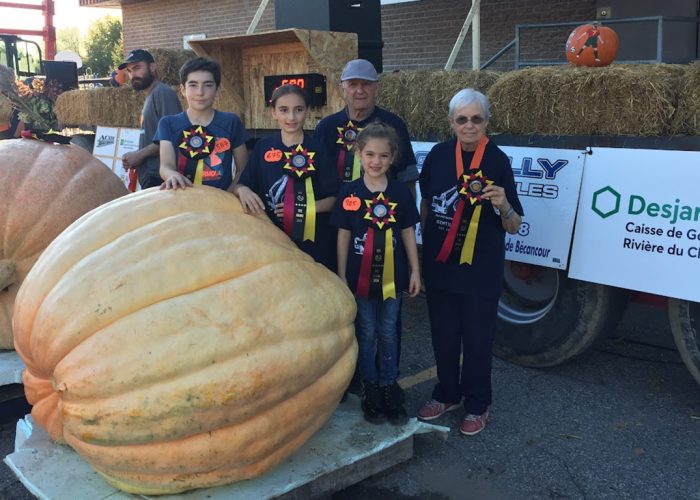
(43, 189)
(175, 342)
(272, 155)
(591, 45)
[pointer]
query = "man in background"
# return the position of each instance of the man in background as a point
(161, 100)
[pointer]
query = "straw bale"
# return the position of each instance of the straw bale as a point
(687, 117)
(169, 62)
(620, 99)
(421, 97)
(112, 107)
(5, 109)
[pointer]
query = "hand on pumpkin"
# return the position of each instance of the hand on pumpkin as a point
(414, 283)
(252, 204)
(176, 181)
(497, 196)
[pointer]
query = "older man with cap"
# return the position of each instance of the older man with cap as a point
(360, 84)
(161, 100)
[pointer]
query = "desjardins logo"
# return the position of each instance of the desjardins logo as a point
(606, 202)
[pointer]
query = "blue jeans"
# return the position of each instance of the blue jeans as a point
(375, 327)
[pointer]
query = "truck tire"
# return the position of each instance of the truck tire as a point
(684, 317)
(545, 318)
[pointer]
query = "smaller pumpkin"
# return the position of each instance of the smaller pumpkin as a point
(44, 188)
(591, 45)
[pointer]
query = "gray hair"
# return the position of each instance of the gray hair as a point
(465, 97)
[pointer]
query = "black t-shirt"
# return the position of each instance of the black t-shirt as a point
(406, 215)
(327, 133)
(438, 182)
(264, 174)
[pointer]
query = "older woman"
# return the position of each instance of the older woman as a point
(469, 201)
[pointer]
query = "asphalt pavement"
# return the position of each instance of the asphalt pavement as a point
(621, 422)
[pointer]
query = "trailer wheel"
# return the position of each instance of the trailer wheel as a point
(545, 318)
(684, 317)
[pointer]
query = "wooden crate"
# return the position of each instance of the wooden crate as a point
(246, 59)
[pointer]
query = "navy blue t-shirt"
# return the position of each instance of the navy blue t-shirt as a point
(264, 175)
(228, 132)
(327, 133)
(406, 215)
(438, 186)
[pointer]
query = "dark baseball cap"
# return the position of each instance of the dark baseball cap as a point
(138, 55)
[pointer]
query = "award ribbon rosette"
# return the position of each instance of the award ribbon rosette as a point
(377, 265)
(348, 160)
(299, 202)
(196, 144)
(462, 234)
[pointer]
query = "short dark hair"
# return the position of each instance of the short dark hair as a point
(288, 89)
(201, 64)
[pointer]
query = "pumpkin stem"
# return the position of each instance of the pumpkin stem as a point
(7, 274)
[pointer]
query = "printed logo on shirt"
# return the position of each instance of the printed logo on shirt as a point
(358, 243)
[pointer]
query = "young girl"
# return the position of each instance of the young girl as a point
(288, 177)
(375, 217)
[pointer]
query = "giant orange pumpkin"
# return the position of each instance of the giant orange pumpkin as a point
(43, 189)
(591, 45)
(175, 342)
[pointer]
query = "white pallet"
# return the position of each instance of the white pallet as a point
(345, 451)
(11, 367)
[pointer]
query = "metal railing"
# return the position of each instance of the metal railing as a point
(519, 28)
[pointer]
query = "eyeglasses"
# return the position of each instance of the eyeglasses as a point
(476, 120)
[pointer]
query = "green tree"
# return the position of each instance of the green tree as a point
(69, 39)
(103, 38)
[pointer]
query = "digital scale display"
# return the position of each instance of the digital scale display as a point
(313, 83)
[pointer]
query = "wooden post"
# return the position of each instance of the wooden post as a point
(476, 35)
(257, 16)
(462, 34)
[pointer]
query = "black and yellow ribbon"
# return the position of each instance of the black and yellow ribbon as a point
(196, 144)
(377, 265)
(348, 160)
(299, 220)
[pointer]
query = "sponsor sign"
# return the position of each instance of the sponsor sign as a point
(638, 222)
(110, 145)
(421, 150)
(547, 182)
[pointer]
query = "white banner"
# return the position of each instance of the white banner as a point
(110, 145)
(547, 181)
(638, 222)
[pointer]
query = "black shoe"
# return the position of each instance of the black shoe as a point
(393, 397)
(372, 403)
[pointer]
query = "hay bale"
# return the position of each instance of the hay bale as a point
(105, 106)
(5, 110)
(621, 99)
(687, 117)
(111, 107)
(421, 97)
(168, 63)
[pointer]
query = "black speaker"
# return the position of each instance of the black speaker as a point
(363, 17)
(64, 72)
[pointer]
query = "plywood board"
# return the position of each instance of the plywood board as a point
(246, 59)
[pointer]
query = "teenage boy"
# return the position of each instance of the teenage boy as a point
(160, 101)
(201, 145)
